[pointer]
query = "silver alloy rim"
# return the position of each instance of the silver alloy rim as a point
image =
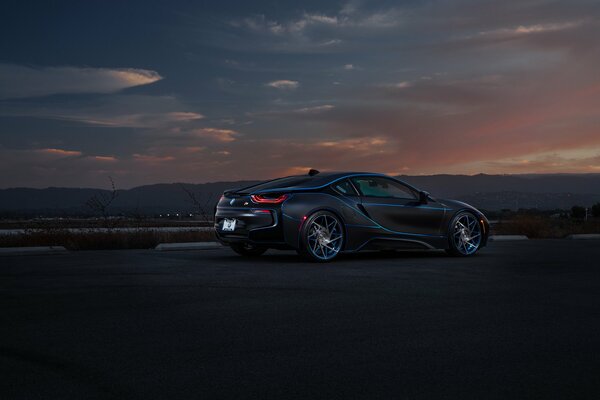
(467, 234)
(325, 237)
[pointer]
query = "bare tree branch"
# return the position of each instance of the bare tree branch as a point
(204, 206)
(101, 202)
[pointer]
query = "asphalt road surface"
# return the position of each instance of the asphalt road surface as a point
(519, 321)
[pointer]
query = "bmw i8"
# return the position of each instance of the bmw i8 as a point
(321, 215)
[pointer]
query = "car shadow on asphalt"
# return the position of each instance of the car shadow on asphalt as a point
(278, 257)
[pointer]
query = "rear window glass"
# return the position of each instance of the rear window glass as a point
(278, 183)
(344, 187)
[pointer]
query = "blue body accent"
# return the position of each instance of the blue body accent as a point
(290, 217)
(386, 238)
(407, 206)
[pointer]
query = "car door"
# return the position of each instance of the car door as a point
(396, 206)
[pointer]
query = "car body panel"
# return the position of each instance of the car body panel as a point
(405, 215)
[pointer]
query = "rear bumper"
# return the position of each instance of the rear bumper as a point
(260, 226)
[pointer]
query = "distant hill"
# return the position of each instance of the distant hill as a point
(457, 185)
(490, 192)
(496, 192)
(149, 199)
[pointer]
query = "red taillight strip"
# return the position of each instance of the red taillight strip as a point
(259, 199)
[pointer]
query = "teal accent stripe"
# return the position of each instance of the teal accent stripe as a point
(407, 206)
(362, 226)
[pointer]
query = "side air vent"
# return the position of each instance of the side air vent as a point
(362, 208)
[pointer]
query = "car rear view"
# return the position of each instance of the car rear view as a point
(250, 218)
(243, 217)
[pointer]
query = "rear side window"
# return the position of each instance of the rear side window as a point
(344, 187)
(278, 183)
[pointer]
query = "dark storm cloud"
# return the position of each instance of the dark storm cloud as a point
(232, 90)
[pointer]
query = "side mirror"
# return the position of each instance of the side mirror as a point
(423, 197)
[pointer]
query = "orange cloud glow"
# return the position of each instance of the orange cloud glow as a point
(60, 152)
(221, 135)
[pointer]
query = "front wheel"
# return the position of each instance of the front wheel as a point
(465, 235)
(322, 237)
(248, 250)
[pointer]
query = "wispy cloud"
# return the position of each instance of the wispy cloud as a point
(221, 135)
(114, 111)
(148, 120)
(60, 152)
(19, 81)
(579, 160)
(532, 29)
(152, 159)
(105, 158)
(284, 84)
(345, 18)
(317, 31)
(315, 109)
(364, 145)
(184, 116)
(398, 85)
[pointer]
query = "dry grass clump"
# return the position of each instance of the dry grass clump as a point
(542, 227)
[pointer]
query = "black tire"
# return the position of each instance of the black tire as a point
(464, 235)
(328, 243)
(248, 250)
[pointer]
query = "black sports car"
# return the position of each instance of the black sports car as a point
(321, 215)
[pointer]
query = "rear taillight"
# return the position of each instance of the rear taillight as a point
(262, 199)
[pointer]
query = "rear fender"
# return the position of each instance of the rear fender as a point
(300, 206)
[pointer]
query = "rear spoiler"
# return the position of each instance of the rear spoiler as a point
(228, 192)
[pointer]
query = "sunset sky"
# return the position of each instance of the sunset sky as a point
(197, 91)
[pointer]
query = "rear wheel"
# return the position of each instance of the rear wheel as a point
(248, 250)
(465, 235)
(322, 237)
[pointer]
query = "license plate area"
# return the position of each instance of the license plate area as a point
(228, 225)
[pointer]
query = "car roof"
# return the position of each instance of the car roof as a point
(306, 182)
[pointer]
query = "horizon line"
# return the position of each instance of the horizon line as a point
(260, 180)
